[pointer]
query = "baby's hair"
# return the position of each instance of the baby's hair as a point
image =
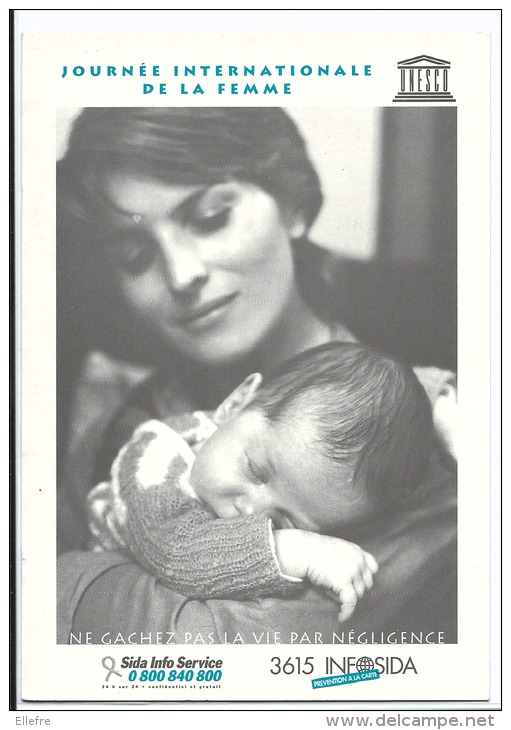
(369, 410)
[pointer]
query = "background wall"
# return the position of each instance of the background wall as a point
(344, 144)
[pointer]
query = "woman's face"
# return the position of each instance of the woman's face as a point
(209, 269)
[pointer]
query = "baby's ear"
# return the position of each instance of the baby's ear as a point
(239, 398)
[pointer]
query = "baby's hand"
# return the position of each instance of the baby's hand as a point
(328, 562)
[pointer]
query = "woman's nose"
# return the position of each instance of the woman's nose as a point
(184, 265)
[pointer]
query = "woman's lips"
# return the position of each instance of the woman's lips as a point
(202, 312)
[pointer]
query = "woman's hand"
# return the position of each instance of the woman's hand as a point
(337, 565)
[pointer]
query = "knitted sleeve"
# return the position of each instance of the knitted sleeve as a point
(158, 520)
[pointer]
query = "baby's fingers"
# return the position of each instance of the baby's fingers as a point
(348, 598)
(371, 563)
(359, 585)
(363, 581)
(367, 577)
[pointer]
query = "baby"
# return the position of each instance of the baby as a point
(251, 501)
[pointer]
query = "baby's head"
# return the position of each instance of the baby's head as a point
(334, 435)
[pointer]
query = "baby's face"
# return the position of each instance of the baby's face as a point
(251, 466)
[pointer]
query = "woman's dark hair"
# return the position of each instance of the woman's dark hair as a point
(177, 145)
(184, 146)
(369, 411)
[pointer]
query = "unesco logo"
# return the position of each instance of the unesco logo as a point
(364, 664)
(424, 78)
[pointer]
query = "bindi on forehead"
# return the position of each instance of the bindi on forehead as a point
(140, 200)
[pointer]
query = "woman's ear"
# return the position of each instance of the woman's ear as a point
(239, 398)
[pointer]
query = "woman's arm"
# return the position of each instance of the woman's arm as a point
(102, 598)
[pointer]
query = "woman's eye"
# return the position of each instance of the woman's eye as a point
(134, 259)
(211, 223)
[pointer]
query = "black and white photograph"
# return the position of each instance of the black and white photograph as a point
(240, 417)
(257, 450)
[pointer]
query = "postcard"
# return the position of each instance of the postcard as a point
(256, 456)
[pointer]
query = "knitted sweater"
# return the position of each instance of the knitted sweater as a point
(149, 510)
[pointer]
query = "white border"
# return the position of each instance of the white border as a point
(348, 20)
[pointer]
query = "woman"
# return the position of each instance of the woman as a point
(197, 219)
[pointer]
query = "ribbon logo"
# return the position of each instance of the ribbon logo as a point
(110, 668)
